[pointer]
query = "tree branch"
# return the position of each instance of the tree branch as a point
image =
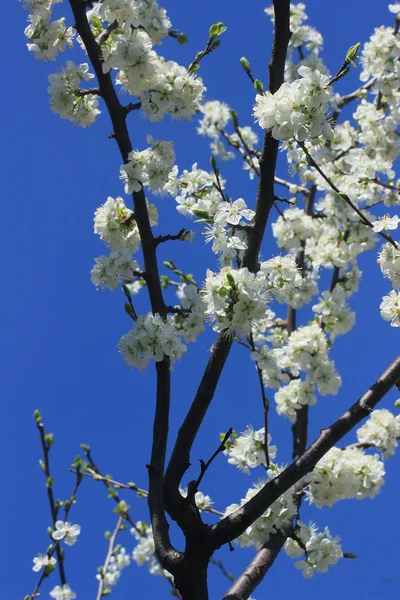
(101, 589)
(118, 117)
(235, 524)
(259, 566)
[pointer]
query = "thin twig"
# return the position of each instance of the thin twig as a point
(101, 591)
(204, 466)
(363, 218)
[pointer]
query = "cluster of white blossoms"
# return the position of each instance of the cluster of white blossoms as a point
(380, 61)
(143, 553)
(63, 592)
(389, 262)
(290, 398)
(109, 271)
(390, 308)
(115, 225)
(194, 191)
(298, 109)
(269, 362)
(283, 276)
(46, 38)
(293, 228)
(346, 474)
(149, 168)
(67, 532)
(116, 564)
(66, 97)
(163, 87)
(381, 430)
(280, 511)
(334, 312)
(150, 337)
(190, 322)
(307, 351)
(147, 15)
(320, 549)
(247, 451)
(234, 299)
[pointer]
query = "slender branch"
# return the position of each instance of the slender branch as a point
(104, 35)
(49, 485)
(204, 466)
(235, 524)
(171, 237)
(101, 589)
(117, 113)
(288, 185)
(363, 218)
(259, 566)
(265, 403)
(180, 458)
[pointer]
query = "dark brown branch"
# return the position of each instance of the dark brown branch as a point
(204, 466)
(171, 237)
(259, 566)
(49, 486)
(180, 459)
(363, 218)
(235, 524)
(117, 112)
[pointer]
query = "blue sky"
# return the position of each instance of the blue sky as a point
(60, 336)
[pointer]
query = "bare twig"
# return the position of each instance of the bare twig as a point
(101, 589)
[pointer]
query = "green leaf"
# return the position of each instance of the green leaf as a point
(126, 291)
(216, 30)
(215, 45)
(235, 119)
(96, 23)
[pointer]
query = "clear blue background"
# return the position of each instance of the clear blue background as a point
(59, 336)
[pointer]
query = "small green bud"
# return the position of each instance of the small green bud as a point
(397, 403)
(169, 264)
(37, 416)
(85, 447)
(107, 535)
(352, 53)
(129, 310)
(49, 569)
(235, 119)
(49, 482)
(244, 63)
(259, 86)
(202, 214)
(141, 495)
(182, 38)
(215, 45)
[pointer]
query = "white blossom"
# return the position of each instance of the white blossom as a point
(390, 308)
(247, 451)
(62, 593)
(381, 430)
(42, 561)
(66, 531)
